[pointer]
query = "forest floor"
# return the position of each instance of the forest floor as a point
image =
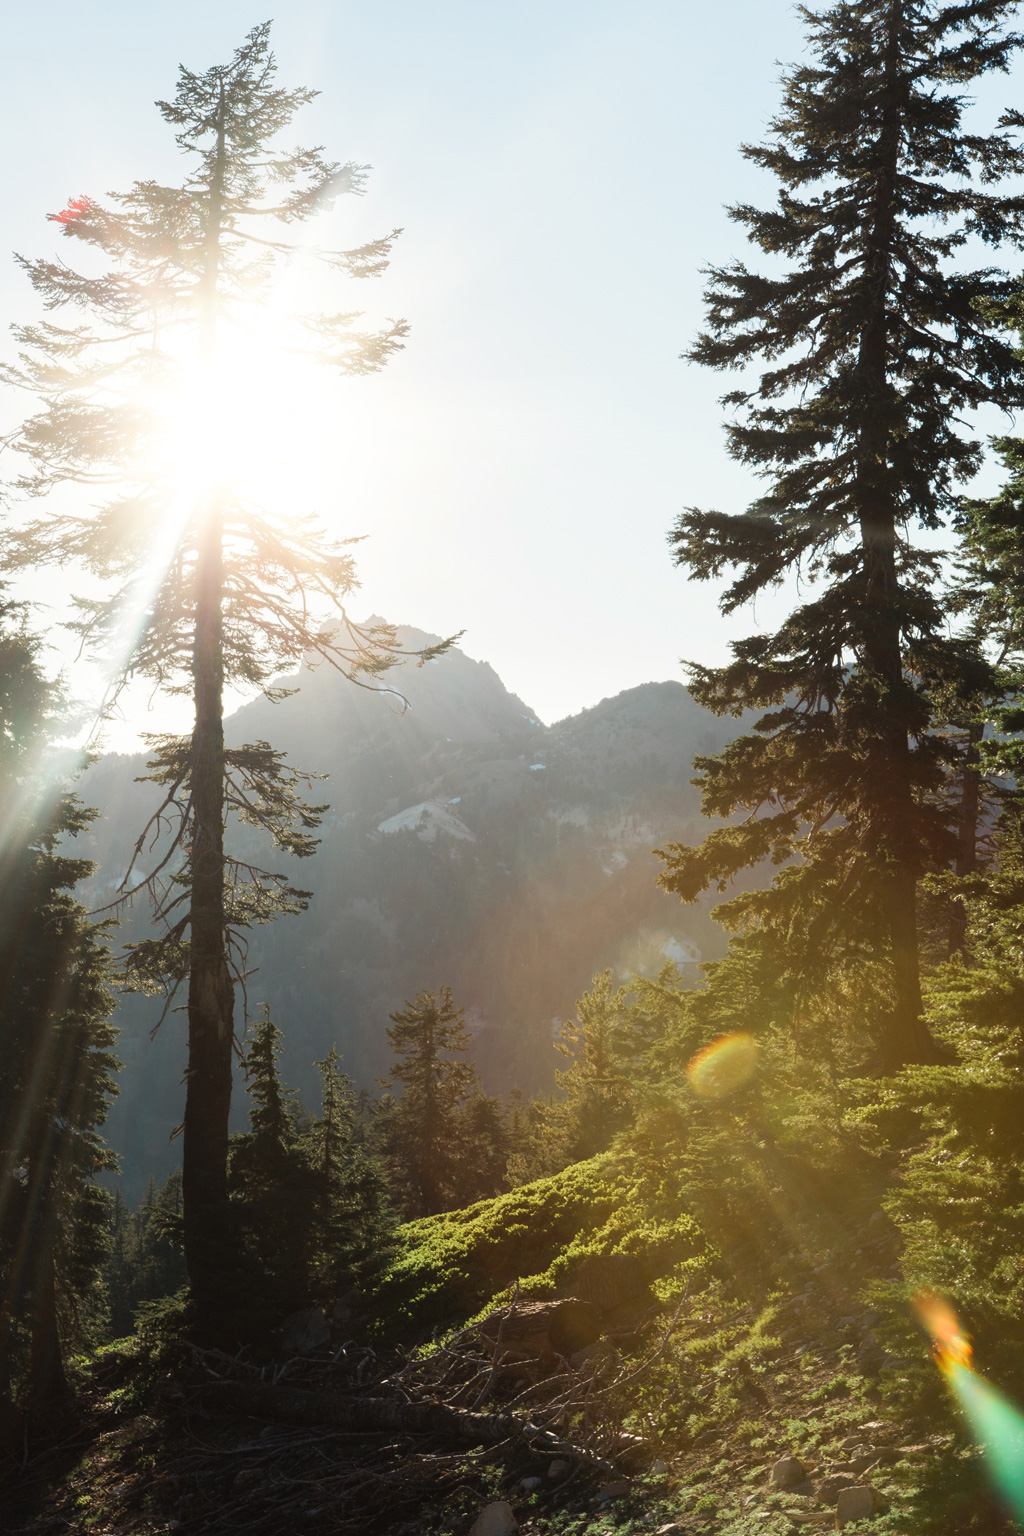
(791, 1409)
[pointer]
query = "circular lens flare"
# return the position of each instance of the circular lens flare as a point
(725, 1065)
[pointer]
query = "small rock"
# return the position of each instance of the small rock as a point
(558, 1468)
(494, 1520)
(858, 1503)
(851, 1443)
(669, 1529)
(609, 1491)
(530, 1484)
(787, 1472)
(305, 1331)
(868, 1429)
(660, 1468)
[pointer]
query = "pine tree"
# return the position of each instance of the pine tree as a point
(204, 587)
(354, 1219)
(875, 347)
(56, 1070)
(423, 1135)
(144, 1262)
(981, 710)
(273, 1190)
(594, 1095)
(485, 1149)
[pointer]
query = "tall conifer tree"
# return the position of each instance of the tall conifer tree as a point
(423, 1130)
(55, 1063)
(876, 343)
(206, 588)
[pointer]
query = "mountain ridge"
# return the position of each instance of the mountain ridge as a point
(466, 843)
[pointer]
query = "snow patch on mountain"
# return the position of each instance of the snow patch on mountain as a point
(426, 819)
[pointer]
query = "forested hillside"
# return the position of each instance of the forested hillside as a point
(466, 844)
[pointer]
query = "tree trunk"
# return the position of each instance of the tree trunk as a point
(210, 988)
(967, 833)
(47, 1383)
(891, 814)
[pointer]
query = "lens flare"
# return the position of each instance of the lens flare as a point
(995, 1423)
(723, 1066)
(950, 1343)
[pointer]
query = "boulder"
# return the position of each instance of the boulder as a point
(787, 1472)
(834, 1483)
(530, 1484)
(558, 1468)
(858, 1503)
(494, 1520)
(305, 1331)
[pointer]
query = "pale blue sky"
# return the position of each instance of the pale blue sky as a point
(560, 171)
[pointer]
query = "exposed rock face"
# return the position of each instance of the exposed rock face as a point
(466, 844)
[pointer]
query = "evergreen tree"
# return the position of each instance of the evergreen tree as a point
(876, 347)
(145, 1262)
(55, 1068)
(273, 1188)
(308, 1197)
(423, 1134)
(525, 1124)
(353, 1216)
(594, 1091)
(486, 1148)
(205, 588)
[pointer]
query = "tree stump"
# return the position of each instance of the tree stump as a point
(538, 1330)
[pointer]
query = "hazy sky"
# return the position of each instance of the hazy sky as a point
(560, 170)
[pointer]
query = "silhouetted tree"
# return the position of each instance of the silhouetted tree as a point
(56, 1070)
(875, 347)
(204, 587)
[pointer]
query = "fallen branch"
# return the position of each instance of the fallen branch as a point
(289, 1405)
